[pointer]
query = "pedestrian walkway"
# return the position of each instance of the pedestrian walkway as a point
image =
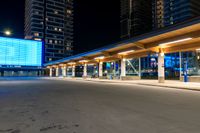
(168, 83)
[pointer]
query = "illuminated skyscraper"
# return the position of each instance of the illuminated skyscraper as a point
(136, 17)
(169, 12)
(52, 22)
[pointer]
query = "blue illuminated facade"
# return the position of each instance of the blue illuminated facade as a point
(19, 57)
(18, 52)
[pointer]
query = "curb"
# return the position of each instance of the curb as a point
(110, 81)
(182, 88)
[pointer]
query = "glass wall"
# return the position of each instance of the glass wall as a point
(20, 52)
(172, 66)
(111, 69)
(21, 73)
(92, 70)
(79, 71)
(132, 67)
(69, 71)
(191, 62)
(149, 67)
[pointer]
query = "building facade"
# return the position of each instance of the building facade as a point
(136, 17)
(169, 12)
(19, 57)
(52, 22)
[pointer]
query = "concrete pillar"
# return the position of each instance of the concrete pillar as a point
(57, 71)
(51, 72)
(161, 68)
(123, 67)
(180, 65)
(85, 70)
(139, 68)
(100, 69)
(64, 71)
(73, 71)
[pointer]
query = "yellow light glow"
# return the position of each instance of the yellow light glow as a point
(126, 52)
(7, 32)
(177, 41)
(83, 61)
(124, 59)
(99, 58)
(71, 63)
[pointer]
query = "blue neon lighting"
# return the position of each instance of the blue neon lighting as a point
(20, 52)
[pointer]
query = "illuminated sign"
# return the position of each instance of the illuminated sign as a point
(19, 52)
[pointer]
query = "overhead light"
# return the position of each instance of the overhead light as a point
(99, 58)
(198, 49)
(71, 63)
(177, 41)
(83, 61)
(126, 52)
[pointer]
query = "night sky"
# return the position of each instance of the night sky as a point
(96, 22)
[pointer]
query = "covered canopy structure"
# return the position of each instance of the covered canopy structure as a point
(182, 39)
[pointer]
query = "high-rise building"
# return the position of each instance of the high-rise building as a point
(52, 22)
(158, 13)
(136, 17)
(169, 12)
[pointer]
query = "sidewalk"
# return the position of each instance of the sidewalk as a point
(168, 83)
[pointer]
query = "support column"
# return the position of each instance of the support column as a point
(51, 72)
(57, 71)
(123, 67)
(64, 73)
(73, 71)
(139, 68)
(100, 69)
(85, 70)
(161, 68)
(180, 65)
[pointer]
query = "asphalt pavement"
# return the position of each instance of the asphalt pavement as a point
(71, 106)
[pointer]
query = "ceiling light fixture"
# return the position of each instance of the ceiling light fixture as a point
(99, 58)
(177, 41)
(126, 52)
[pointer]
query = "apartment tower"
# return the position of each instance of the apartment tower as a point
(136, 17)
(169, 12)
(50, 21)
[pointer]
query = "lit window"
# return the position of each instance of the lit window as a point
(69, 11)
(56, 12)
(50, 41)
(36, 34)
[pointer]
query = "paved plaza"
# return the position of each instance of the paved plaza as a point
(75, 106)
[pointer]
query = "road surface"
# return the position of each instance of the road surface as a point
(58, 106)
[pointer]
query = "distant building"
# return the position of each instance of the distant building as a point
(169, 12)
(136, 17)
(19, 57)
(52, 22)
